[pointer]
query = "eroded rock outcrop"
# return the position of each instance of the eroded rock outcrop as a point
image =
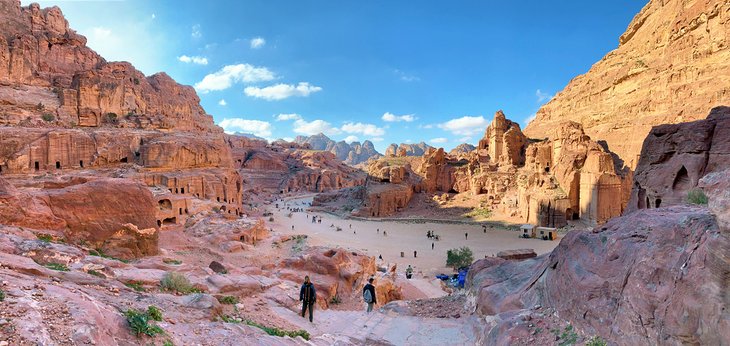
(676, 157)
(352, 154)
(671, 66)
(653, 276)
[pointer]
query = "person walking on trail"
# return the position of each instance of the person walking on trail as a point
(432, 245)
(308, 296)
(368, 294)
(466, 236)
(409, 272)
(415, 253)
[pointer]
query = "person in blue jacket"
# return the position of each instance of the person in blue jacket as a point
(308, 296)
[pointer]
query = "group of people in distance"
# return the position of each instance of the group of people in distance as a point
(308, 296)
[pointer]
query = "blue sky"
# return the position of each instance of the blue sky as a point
(388, 71)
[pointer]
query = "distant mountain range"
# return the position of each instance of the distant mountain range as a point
(352, 154)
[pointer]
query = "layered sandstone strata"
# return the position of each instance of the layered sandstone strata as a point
(671, 66)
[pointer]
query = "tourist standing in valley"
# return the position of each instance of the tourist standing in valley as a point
(308, 296)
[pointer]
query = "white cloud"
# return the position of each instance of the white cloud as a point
(465, 139)
(288, 139)
(222, 102)
(225, 77)
(285, 117)
(154, 16)
(377, 139)
(439, 140)
(257, 42)
(542, 96)
(310, 128)
(195, 32)
(365, 129)
(101, 32)
(390, 117)
(256, 127)
(281, 91)
(409, 141)
(135, 41)
(199, 60)
(427, 126)
(406, 77)
(351, 138)
(465, 126)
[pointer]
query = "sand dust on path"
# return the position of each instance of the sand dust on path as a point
(370, 237)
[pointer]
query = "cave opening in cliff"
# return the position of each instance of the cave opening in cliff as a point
(169, 221)
(180, 211)
(658, 202)
(123, 160)
(58, 164)
(81, 163)
(642, 200)
(182, 190)
(648, 206)
(681, 181)
(165, 204)
(37, 165)
(159, 223)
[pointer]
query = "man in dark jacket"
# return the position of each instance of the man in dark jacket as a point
(308, 296)
(369, 287)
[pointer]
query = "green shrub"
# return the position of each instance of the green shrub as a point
(139, 323)
(697, 196)
(2, 295)
(172, 261)
(280, 332)
(596, 341)
(48, 117)
(111, 118)
(479, 213)
(96, 273)
(566, 337)
(136, 81)
(230, 300)
(154, 313)
(167, 343)
(46, 238)
(135, 286)
(57, 266)
(457, 258)
(230, 319)
(176, 282)
(335, 299)
(100, 253)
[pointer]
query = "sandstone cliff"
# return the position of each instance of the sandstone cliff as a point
(672, 65)
(405, 149)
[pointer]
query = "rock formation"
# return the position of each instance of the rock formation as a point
(73, 120)
(405, 149)
(462, 148)
(352, 154)
(565, 177)
(675, 157)
(671, 66)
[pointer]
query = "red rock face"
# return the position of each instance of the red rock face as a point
(651, 277)
(675, 157)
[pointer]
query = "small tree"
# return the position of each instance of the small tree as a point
(457, 258)
(697, 196)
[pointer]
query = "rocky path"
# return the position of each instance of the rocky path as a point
(383, 328)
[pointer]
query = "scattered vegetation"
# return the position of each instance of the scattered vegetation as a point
(479, 213)
(100, 253)
(230, 300)
(640, 63)
(48, 117)
(57, 266)
(280, 332)
(139, 322)
(167, 343)
(2, 295)
(565, 337)
(137, 286)
(154, 313)
(230, 319)
(46, 238)
(458, 258)
(111, 118)
(96, 273)
(172, 261)
(335, 299)
(40, 106)
(596, 341)
(271, 219)
(176, 282)
(697, 196)
(136, 81)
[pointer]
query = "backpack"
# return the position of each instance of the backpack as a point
(367, 296)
